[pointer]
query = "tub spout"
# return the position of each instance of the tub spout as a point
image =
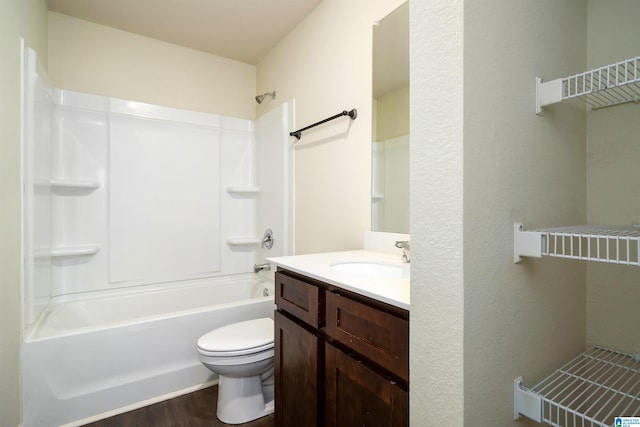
(259, 267)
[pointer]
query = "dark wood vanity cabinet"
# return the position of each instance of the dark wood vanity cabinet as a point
(341, 359)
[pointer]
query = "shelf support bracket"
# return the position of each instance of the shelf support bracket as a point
(547, 93)
(525, 402)
(526, 243)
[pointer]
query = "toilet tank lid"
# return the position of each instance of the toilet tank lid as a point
(239, 336)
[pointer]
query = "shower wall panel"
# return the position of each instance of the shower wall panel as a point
(164, 204)
(38, 107)
(78, 165)
(131, 194)
(238, 171)
(275, 150)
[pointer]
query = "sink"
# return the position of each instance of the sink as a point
(373, 269)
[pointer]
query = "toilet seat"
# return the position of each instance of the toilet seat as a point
(238, 339)
(235, 353)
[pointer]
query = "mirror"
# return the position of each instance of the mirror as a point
(390, 145)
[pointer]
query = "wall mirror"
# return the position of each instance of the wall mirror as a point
(390, 133)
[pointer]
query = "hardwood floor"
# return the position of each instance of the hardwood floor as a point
(191, 410)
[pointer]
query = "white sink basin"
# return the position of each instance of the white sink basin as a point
(373, 269)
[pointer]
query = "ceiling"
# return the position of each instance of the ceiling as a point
(243, 30)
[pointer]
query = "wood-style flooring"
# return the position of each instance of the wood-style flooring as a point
(197, 409)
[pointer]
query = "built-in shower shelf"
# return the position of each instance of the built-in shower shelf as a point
(243, 190)
(590, 390)
(243, 241)
(69, 185)
(613, 84)
(614, 245)
(68, 251)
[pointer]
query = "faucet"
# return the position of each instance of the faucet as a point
(405, 245)
(267, 239)
(259, 267)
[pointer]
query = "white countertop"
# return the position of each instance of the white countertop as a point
(394, 291)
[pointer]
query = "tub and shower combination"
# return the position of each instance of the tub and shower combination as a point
(96, 356)
(142, 225)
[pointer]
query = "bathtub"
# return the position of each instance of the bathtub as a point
(94, 356)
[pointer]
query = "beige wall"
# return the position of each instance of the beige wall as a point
(392, 114)
(519, 319)
(27, 19)
(325, 64)
(92, 58)
(613, 193)
(482, 160)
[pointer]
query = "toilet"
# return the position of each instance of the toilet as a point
(242, 355)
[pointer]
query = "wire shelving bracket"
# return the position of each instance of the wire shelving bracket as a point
(613, 84)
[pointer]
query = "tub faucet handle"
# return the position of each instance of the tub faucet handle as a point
(267, 239)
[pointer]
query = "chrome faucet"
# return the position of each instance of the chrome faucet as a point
(405, 245)
(267, 239)
(259, 267)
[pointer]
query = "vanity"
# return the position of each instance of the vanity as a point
(342, 340)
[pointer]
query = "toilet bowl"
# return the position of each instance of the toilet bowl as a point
(242, 355)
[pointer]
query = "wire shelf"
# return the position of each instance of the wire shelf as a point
(613, 84)
(614, 245)
(589, 391)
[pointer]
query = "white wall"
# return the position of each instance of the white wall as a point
(390, 182)
(613, 194)
(325, 64)
(437, 294)
(391, 162)
(27, 19)
(91, 58)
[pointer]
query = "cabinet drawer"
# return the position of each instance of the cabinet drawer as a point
(375, 334)
(298, 298)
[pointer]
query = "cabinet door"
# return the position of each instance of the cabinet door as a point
(297, 373)
(357, 396)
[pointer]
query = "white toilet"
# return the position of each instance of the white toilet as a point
(242, 355)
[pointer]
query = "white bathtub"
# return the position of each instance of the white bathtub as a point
(95, 356)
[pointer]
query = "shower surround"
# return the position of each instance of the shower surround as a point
(124, 201)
